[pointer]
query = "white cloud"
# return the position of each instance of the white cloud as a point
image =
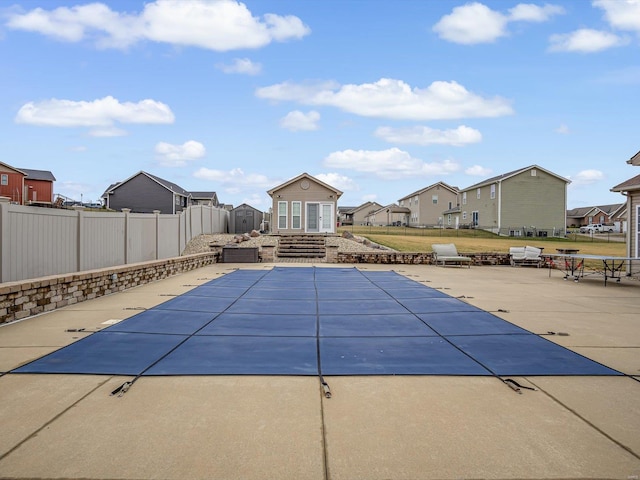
(372, 197)
(528, 12)
(236, 180)
(170, 155)
(101, 114)
(586, 177)
(256, 201)
(421, 135)
(391, 164)
(623, 15)
(341, 182)
(220, 25)
(298, 120)
(478, 171)
(476, 23)
(241, 65)
(563, 129)
(390, 98)
(472, 23)
(585, 40)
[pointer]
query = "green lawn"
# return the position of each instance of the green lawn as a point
(472, 241)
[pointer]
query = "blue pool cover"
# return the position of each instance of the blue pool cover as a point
(315, 321)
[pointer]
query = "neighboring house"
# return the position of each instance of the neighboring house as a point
(426, 205)
(304, 204)
(359, 215)
(26, 186)
(244, 218)
(209, 199)
(343, 215)
(581, 216)
(631, 189)
(144, 193)
(390, 215)
(530, 201)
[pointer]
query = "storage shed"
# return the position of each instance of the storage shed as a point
(244, 218)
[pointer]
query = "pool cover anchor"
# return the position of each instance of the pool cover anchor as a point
(325, 388)
(515, 386)
(122, 389)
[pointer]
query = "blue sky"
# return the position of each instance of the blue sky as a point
(377, 98)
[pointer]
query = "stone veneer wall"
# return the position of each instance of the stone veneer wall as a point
(29, 297)
(417, 258)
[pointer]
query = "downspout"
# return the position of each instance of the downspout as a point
(499, 206)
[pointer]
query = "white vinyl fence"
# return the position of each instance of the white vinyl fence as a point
(36, 242)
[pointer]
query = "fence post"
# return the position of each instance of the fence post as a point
(4, 239)
(80, 237)
(157, 214)
(126, 212)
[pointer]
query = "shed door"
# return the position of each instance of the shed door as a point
(244, 221)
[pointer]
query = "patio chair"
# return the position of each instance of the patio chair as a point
(520, 256)
(444, 253)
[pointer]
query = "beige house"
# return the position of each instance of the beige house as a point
(631, 189)
(358, 215)
(304, 204)
(531, 201)
(426, 205)
(390, 215)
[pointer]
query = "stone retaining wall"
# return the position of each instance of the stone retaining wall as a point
(29, 297)
(417, 258)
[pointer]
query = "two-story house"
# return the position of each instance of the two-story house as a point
(530, 201)
(426, 205)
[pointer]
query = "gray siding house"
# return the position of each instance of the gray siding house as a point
(631, 188)
(144, 193)
(530, 201)
(426, 205)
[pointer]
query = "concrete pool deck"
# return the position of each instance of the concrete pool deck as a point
(373, 427)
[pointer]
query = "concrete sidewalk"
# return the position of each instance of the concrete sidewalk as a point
(395, 427)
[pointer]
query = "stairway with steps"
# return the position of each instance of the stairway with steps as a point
(301, 246)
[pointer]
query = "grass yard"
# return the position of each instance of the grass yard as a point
(473, 241)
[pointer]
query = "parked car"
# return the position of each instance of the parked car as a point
(596, 228)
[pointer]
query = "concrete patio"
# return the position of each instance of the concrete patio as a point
(373, 427)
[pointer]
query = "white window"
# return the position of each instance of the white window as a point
(493, 191)
(296, 209)
(282, 215)
(464, 198)
(534, 173)
(478, 193)
(4, 179)
(434, 199)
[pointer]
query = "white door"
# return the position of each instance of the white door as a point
(320, 218)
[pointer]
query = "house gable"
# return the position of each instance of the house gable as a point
(635, 160)
(145, 193)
